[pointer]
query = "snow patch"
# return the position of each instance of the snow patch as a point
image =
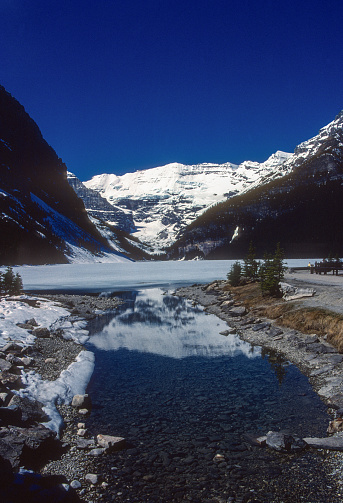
(72, 381)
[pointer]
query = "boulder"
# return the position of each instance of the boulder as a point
(111, 443)
(31, 410)
(5, 365)
(11, 347)
(237, 311)
(41, 332)
(27, 446)
(81, 401)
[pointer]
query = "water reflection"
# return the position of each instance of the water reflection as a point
(156, 322)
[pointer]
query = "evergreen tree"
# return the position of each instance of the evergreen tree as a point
(8, 280)
(10, 283)
(18, 284)
(234, 276)
(272, 272)
(250, 267)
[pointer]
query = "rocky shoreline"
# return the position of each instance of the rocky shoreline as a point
(313, 355)
(74, 473)
(62, 467)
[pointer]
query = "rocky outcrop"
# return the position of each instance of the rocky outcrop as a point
(98, 207)
(41, 218)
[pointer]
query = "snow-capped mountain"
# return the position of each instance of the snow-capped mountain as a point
(301, 209)
(165, 199)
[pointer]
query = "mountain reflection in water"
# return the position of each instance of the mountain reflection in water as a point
(159, 323)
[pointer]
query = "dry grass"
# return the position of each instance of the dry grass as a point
(307, 320)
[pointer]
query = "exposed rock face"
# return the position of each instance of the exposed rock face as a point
(41, 218)
(98, 207)
(301, 209)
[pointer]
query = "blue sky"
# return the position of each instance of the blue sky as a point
(121, 85)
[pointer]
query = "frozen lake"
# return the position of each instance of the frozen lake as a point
(126, 276)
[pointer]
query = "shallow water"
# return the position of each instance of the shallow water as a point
(181, 393)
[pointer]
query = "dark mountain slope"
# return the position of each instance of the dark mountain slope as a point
(41, 218)
(302, 210)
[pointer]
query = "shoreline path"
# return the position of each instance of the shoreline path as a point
(329, 289)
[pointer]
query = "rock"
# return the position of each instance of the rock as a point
(5, 365)
(311, 339)
(336, 401)
(284, 443)
(50, 360)
(81, 425)
(111, 443)
(11, 347)
(5, 398)
(75, 484)
(335, 359)
(81, 432)
(335, 426)
(318, 348)
(92, 478)
(26, 445)
(25, 326)
(14, 360)
(218, 458)
(10, 380)
(261, 326)
(11, 415)
(81, 402)
(227, 303)
(275, 332)
(83, 412)
(31, 410)
(82, 443)
(97, 452)
(225, 332)
(32, 322)
(41, 332)
(237, 311)
(320, 371)
(330, 443)
(26, 361)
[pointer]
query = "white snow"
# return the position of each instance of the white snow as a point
(72, 381)
(50, 315)
(18, 311)
(167, 198)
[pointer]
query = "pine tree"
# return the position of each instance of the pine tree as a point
(272, 272)
(234, 276)
(10, 283)
(251, 266)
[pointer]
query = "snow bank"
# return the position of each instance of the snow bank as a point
(19, 311)
(72, 381)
